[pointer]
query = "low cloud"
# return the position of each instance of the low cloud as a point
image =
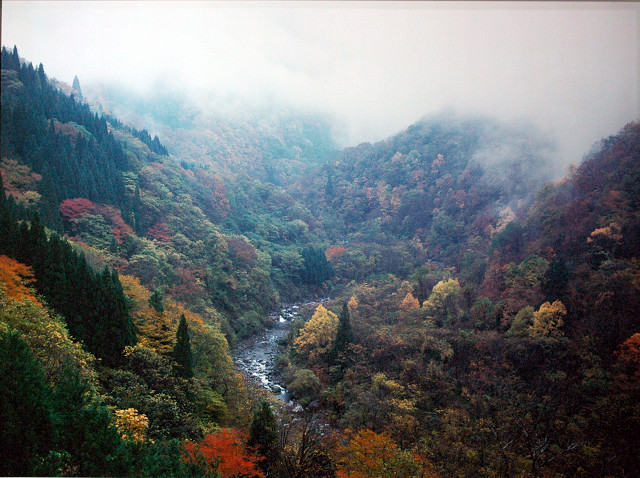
(571, 69)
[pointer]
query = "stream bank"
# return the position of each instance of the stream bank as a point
(256, 356)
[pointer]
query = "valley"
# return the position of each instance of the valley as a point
(478, 313)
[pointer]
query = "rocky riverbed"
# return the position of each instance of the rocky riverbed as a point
(257, 356)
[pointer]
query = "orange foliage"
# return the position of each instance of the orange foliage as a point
(15, 279)
(218, 193)
(227, 449)
(409, 302)
(367, 454)
(628, 364)
(334, 252)
(156, 330)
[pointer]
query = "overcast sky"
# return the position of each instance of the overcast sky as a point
(572, 68)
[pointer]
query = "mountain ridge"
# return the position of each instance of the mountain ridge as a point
(482, 319)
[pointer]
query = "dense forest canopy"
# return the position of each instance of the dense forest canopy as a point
(480, 318)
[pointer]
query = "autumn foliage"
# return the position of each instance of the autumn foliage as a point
(367, 454)
(226, 452)
(317, 336)
(334, 252)
(15, 279)
(75, 208)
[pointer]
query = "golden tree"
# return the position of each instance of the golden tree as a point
(318, 335)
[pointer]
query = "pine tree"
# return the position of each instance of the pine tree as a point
(263, 436)
(76, 86)
(25, 408)
(84, 428)
(344, 336)
(156, 301)
(328, 189)
(316, 267)
(182, 350)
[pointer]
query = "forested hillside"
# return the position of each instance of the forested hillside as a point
(479, 319)
(273, 144)
(521, 361)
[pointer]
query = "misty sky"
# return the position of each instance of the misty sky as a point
(376, 67)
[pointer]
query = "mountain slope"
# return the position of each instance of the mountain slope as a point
(482, 322)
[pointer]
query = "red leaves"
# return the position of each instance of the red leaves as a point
(226, 451)
(68, 129)
(218, 192)
(628, 364)
(334, 252)
(159, 232)
(243, 252)
(76, 208)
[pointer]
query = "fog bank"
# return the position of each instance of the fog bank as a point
(570, 68)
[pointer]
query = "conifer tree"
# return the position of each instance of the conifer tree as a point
(263, 436)
(25, 408)
(344, 335)
(76, 86)
(182, 350)
(316, 267)
(156, 301)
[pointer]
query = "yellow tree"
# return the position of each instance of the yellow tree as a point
(131, 424)
(409, 303)
(442, 305)
(154, 326)
(317, 336)
(548, 320)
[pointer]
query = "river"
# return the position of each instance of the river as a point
(257, 355)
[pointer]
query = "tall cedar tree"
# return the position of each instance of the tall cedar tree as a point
(156, 300)
(182, 350)
(25, 408)
(263, 437)
(316, 267)
(344, 336)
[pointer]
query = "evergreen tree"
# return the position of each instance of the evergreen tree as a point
(316, 267)
(25, 409)
(555, 280)
(156, 301)
(84, 428)
(182, 350)
(76, 86)
(263, 437)
(344, 337)
(328, 189)
(94, 305)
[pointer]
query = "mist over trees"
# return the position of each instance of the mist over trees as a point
(479, 316)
